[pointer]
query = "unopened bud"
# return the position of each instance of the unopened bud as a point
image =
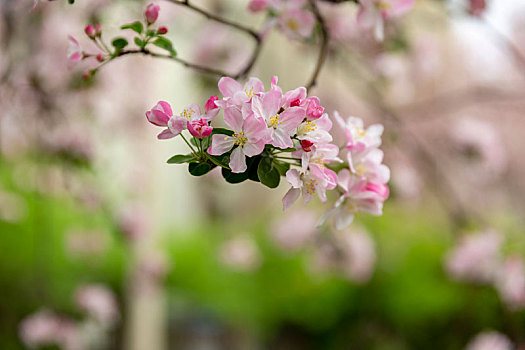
(90, 31)
(162, 30)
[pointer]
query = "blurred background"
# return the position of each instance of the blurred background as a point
(103, 245)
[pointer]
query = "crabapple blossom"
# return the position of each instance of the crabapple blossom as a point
(249, 136)
(282, 125)
(373, 13)
(90, 31)
(283, 135)
(307, 185)
(160, 115)
(296, 23)
(99, 302)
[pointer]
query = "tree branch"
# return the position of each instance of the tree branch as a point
(323, 51)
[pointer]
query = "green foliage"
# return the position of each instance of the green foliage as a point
(165, 44)
(182, 158)
(135, 26)
(119, 44)
(267, 173)
(199, 169)
(139, 42)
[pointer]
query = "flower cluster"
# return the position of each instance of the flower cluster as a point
(296, 21)
(272, 133)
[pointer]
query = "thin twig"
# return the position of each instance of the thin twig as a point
(323, 51)
(212, 17)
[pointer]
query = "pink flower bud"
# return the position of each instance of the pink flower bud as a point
(314, 110)
(86, 75)
(199, 128)
(98, 29)
(100, 57)
(295, 103)
(210, 104)
(381, 189)
(162, 30)
(477, 7)
(307, 145)
(74, 51)
(90, 31)
(152, 13)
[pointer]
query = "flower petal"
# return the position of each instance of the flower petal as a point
(220, 144)
(228, 86)
(233, 117)
(290, 197)
(238, 161)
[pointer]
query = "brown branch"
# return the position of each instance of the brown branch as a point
(197, 67)
(323, 50)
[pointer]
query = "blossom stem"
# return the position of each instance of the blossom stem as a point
(189, 145)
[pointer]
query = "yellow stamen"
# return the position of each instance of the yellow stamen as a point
(240, 138)
(293, 25)
(383, 5)
(310, 186)
(306, 127)
(187, 113)
(361, 170)
(274, 121)
(249, 92)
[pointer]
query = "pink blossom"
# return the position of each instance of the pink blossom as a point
(306, 145)
(371, 167)
(152, 13)
(99, 302)
(74, 51)
(160, 115)
(372, 13)
(45, 328)
(476, 257)
(162, 30)
(282, 124)
(296, 23)
(210, 108)
(308, 185)
(235, 94)
(249, 136)
(490, 340)
(316, 161)
(358, 196)
(510, 282)
(316, 130)
(179, 122)
(199, 128)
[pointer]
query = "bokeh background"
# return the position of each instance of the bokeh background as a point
(105, 246)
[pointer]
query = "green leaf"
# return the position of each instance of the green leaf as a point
(268, 174)
(182, 158)
(199, 169)
(139, 42)
(234, 178)
(71, 1)
(119, 44)
(165, 44)
(135, 26)
(222, 131)
(281, 167)
(221, 161)
(292, 149)
(151, 32)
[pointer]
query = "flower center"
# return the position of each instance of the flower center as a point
(383, 5)
(359, 131)
(274, 121)
(360, 170)
(240, 138)
(187, 113)
(310, 186)
(306, 127)
(249, 92)
(293, 25)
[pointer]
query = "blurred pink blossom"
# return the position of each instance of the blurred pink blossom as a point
(510, 282)
(295, 229)
(240, 253)
(490, 340)
(99, 302)
(476, 257)
(45, 328)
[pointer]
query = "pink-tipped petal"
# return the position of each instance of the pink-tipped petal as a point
(238, 161)
(290, 197)
(220, 144)
(228, 86)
